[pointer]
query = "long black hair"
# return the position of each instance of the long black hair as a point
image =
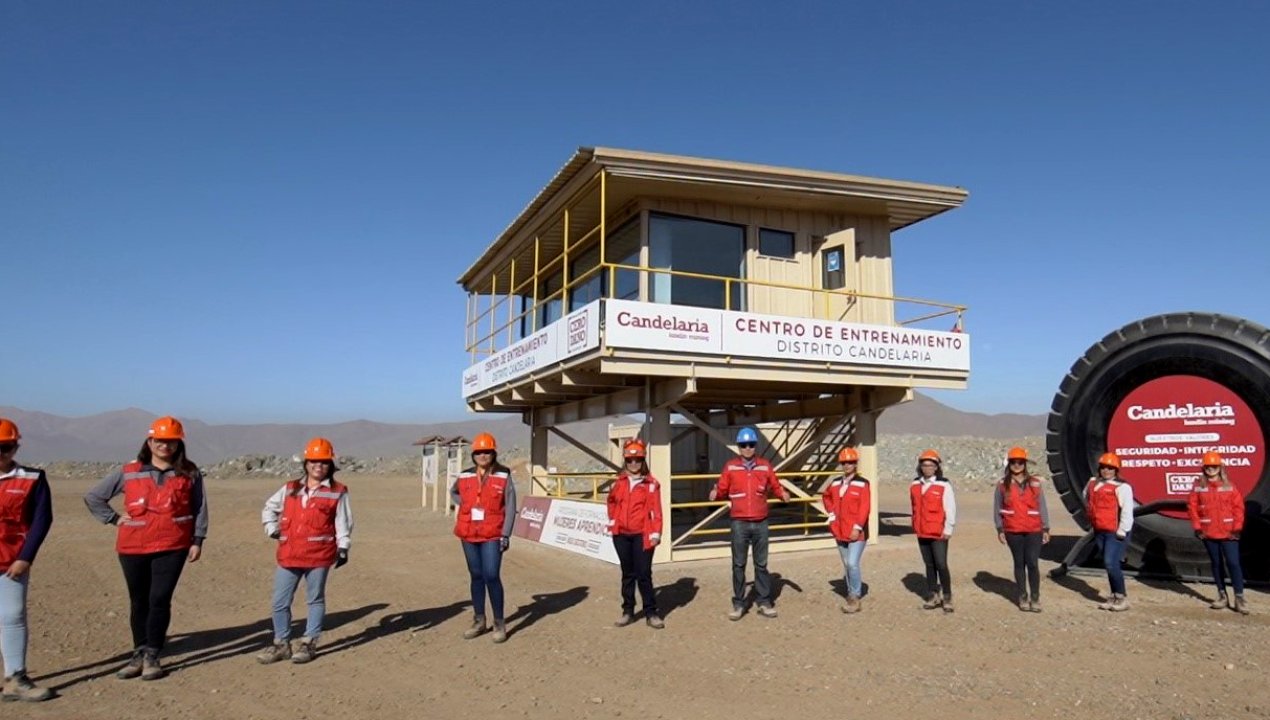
(180, 463)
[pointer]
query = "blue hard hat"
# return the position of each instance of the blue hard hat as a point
(747, 435)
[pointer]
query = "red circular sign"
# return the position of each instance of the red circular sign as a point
(1162, 428)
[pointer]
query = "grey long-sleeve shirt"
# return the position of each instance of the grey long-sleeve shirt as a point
(98, 498)
(509, 498)
(343, 513)
(996, 510)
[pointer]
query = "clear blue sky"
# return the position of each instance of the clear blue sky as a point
(256, 211)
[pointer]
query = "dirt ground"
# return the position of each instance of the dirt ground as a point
(393, 646)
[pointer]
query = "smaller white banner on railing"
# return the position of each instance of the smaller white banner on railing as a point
(575, 333)
(573, 525)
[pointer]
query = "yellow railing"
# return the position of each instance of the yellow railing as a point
(822, 302)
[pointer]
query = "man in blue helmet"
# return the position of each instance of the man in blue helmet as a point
(746, 481)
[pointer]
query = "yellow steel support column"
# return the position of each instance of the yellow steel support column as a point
(866, 435)
(493, 291)
(564, 269)
(533, 323)
(603, 212)
(659, 440)
(511, 304)
(469, 337)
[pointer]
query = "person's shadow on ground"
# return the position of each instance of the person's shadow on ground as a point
(414, 621)
(839, 587)
(544, 604)
(676, 595)
(915, 583)
(997, 585)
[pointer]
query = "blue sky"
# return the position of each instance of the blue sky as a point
(245, 211)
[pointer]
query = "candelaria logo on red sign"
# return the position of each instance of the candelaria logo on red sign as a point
(1161, 430)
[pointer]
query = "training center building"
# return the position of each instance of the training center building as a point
(703, 296)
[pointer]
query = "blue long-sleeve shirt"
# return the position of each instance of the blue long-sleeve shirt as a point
(38, 512)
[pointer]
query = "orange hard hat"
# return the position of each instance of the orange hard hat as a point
(1212, 458)
(483, 441)
(634, 449)
(167, 428)
(1016, 453)
(847, 455)
(9, 431)
(1109, 460)
(930, 455)
(319, 449)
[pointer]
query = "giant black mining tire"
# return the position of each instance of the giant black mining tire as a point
(1200, 377)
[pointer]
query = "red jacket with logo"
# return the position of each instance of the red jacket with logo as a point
(848, 503)
(481, 504)
(929, 517)
(747, 490)
(307, 530)
(1216, 509)
(1021, 506)
(157, 518)
(635, 511)
(1104, 506)
(15, 517)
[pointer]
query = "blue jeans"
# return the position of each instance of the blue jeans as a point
(13, 633)
(285, 582)
(746, 533)
(1229, 549)
(484, 562)
(1112, 549)
(850, 553)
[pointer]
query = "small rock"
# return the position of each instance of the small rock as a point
(597, 700)
(1229, 666)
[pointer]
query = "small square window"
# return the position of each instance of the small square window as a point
(776, 243)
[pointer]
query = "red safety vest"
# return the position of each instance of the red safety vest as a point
(1216, 509)
(1104, 506)
(15, 521)
(307, 530)
(157, 518)
(635, 511)
(747, 490)
(1021, 506)
(481, 511)
(848, 504)
(928, 508)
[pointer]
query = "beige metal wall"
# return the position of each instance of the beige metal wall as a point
(866, 241)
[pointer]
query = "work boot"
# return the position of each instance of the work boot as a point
(151, 669)
(1106, 604)
(280, 650)
(736, 613)
(1119, 603)
(932, 602)
(853, 605)
(655, 622)
(305, 653)
(1034, 606)
(1221, 603)
(1024, 604)
(767, 611)
(133, 667)
(478, 628)
(500, 631)
(1241, 605)
(19, 687)
(626, 619)
(948, 605)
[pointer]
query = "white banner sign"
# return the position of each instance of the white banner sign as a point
(579, 527)
(718, 332)
(575, 333)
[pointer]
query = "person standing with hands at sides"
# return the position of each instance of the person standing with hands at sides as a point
(26, 514)
(1109, 503)
(934, 516)
(1023, 523)
(746, 481)
(1216, 510)
(634, 507)
(848, 501)
(312, 521)
(164, 525)
(486, 500)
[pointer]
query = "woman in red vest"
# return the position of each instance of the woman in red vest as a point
(1109, 505)
(1216, 509)
(312, 521)
(634, 507)
(163, 528)
(934, 516)
(848, 501)
(26, 514)
(1023, 523)
(486, 501)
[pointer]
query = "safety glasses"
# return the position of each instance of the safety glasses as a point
(747, 445)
